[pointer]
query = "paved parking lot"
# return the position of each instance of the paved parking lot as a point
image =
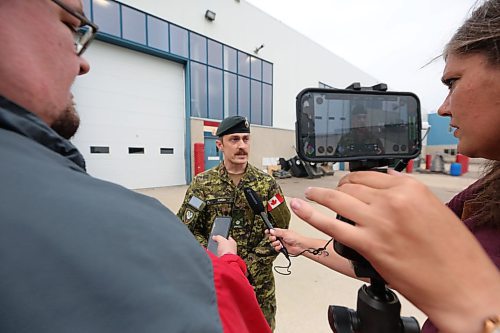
(304, 296)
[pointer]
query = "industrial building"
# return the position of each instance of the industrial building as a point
(164, 73)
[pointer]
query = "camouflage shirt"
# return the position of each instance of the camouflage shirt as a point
(213, 194)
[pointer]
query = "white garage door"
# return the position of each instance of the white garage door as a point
(132, 108)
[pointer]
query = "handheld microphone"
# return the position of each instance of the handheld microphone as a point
(258, 209)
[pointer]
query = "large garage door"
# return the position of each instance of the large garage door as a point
(132, 108)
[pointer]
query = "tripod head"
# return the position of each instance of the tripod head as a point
(378, 307)
(371, 129)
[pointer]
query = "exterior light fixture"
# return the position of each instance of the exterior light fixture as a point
(210, 15)
(258, 48)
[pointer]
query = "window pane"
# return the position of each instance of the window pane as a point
(256, 103)
(267, 105)
(230, 59)
(134, 25)
(178, 41)
(107, 16)
(157, 33)
(230, 95)
(214, 53)
(86, 9)
(267, 72)
(256, 67)
(198, 90)
(243, 64)
(215, 93)
(243, 97)
(198, 45)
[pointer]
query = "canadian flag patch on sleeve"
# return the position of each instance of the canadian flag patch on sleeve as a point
(274, 202)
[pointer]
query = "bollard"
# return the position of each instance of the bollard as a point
(428, 161)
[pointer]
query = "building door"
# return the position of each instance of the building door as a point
(212, 155)
(132, 108)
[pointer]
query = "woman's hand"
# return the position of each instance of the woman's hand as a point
(414, 241)
(292, 240)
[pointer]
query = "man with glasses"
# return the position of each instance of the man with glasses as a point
(78, 254)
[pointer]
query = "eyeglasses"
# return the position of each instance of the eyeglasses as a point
(82, 35)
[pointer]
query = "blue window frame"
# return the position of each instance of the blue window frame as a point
(224, 81)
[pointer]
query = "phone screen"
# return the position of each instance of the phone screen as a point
(221, 227)
(343, 125)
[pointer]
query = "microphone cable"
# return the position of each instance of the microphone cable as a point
(317, 251)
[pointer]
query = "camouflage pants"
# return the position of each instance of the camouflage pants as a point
(263, 282)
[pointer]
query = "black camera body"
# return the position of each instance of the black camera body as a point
(371, 129)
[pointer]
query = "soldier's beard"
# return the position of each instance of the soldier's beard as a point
(68, 122)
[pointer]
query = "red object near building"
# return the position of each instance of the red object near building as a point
(428, 161)
(199, 158)
(409, 166)
(464, 161)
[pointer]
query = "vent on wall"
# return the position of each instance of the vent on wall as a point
(166, 150)
(99, 150)
(135, 150)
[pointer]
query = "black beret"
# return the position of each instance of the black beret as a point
(233, 124)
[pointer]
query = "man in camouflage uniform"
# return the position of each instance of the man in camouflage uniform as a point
(360, 140)
(219, 192)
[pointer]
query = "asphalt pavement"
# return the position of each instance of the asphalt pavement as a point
(304, 296)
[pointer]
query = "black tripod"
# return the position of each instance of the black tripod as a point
(378, 307)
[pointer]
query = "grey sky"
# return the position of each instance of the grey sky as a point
(389, 39)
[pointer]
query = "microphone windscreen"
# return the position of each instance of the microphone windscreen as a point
(254, 200)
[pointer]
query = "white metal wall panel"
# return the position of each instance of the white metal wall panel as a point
(131, 99)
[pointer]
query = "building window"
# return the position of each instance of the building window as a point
(214, 53)
(256, 68)
(256, 102)
(243, 97)
(243, 64)
(215, 105)
(87, 9)
(267, 72)
(324, 85)
(223, 80)
(198, 48)
(267, 105)
(230, 94)
(134, 25)
(107, 16)
(158, 34)
(179, 41)
(230, 59)
(198, 90)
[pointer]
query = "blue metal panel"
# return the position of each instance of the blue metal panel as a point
(439, 133)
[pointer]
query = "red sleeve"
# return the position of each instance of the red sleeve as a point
(238, 307)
